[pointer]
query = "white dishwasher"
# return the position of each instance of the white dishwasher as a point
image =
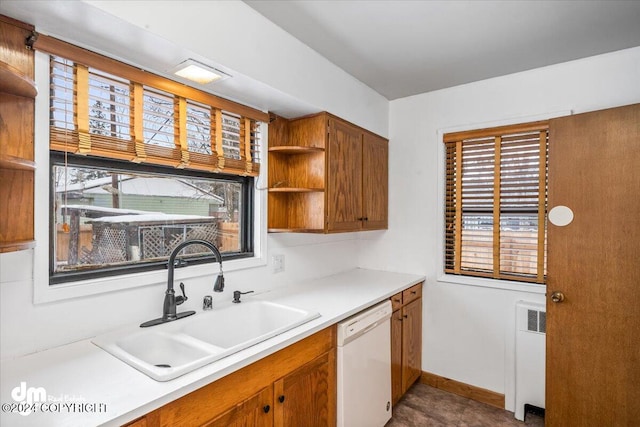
(364, 368)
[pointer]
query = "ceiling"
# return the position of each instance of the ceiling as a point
(401, 48)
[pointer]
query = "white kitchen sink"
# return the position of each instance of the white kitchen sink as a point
(246, 323)
(167, 351)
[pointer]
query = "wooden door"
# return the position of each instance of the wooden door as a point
(257, 411)
(396, 356)
(307, 396)
(375, 182)
(411, 343)
(593, 336)
(344, 180)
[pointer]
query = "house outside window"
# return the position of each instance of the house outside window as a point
(109, 220)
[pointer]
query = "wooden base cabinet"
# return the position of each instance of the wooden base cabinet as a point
(406, 340)
(254, 412)
(294, 387)
(304, 397)
(326, 175)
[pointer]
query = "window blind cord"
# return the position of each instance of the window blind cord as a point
(65, 225)
(257, 183)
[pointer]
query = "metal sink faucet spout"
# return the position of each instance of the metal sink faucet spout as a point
(171, 301)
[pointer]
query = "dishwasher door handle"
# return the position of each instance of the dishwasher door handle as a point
(368, 328)
(362, 332)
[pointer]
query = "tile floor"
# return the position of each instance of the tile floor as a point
(425, 406)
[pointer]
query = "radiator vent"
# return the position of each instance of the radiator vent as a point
(536, 321)
(531, 327)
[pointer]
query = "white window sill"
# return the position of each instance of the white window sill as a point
(507, 285)
(45, 293)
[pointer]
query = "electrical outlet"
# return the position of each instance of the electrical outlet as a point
(278, 263)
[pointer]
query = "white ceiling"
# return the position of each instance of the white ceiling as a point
(398, 48)
(401, 48)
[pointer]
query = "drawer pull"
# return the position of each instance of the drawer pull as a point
(281, 399)
(266, 409)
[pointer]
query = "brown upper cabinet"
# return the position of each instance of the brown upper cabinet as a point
(326, 175)
(17, 166)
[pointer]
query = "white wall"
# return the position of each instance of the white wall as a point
(265, 53)
(469, 330)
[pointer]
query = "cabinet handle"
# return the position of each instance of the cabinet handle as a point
(266, 409)
(405, 316)
(281, 399)
(414, 292)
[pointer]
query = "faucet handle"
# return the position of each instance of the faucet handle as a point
(183, 298)
(207, 302)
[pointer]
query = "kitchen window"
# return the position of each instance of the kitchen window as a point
(110, 219)
(495, 202)
(139, 164)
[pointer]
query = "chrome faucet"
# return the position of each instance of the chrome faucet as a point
(171, 301)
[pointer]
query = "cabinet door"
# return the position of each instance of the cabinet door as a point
(396, 356)
(411, 343)
(257, 411)
(375, 182)
(344, 180)
(307, 396)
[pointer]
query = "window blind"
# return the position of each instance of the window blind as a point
(97, 109)
(495, 202)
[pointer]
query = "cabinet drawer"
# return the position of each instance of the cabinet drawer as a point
(396, 301)
(412, 293)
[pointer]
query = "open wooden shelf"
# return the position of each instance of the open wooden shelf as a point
(295, 190)
(14, 82)
(17, 246)
(17, 166)
(295, 149)
(12, 162)
(296, 230)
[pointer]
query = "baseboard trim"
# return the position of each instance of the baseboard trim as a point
(466, 390)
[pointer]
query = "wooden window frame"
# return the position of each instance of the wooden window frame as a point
(79, 139)
(454, 202)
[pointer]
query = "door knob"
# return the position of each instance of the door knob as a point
(557, 296)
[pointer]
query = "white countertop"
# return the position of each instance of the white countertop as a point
(86, 386)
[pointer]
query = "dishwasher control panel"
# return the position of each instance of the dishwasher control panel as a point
(363, 321)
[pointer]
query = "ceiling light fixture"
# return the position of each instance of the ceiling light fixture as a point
(199, 72)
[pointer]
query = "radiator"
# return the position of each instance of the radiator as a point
(530, 356)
